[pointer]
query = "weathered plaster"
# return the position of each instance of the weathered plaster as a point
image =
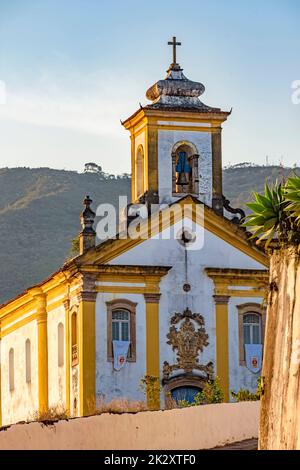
(21, 403)
(56, 374)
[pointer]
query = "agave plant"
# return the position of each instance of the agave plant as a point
(292, 197)
(268, 217)
(276, 214)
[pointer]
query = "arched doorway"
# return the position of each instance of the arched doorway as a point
(182, 388)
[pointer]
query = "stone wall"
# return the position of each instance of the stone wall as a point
(195, 428)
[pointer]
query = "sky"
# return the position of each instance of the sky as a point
(70, 70)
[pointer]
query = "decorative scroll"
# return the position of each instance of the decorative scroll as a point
(188, 342)
(231, 210)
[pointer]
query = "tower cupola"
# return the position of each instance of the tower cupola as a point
(176, 142)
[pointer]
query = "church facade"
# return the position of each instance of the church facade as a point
(184, 294)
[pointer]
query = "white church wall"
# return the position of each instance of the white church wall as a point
(56, 374)
(240, 376)
(173, 300)
(126, 382)
(166, 140)
(214, 253)
(160, 251)
(21, 403)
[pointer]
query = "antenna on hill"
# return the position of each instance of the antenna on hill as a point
(282, 173)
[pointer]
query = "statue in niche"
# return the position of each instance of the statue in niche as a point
(183, 172)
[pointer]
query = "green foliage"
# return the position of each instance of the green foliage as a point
(292, 197)
(74, 251)
(150, 386)
(211, 393)
(40, 208)
(245, 395)
(239, 181)
(268, 213)
(276, 213)
(39, 216)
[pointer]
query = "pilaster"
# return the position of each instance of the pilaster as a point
(68, 353)
(216, 139)
(87, 345)
(0, 380)
(152, 344)
(222, 345)
(41, 318)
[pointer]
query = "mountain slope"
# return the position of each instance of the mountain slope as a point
(40, 208)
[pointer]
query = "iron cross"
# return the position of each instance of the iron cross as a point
(174, 44)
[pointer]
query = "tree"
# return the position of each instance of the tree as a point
(275, 219)
(92, 168)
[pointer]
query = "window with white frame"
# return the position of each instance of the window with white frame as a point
(252, 328)
(120, 325)
(252, 321)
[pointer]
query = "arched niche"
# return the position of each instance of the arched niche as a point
(190, 171)
(140, 179)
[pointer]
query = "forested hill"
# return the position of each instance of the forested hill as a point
(39, 214)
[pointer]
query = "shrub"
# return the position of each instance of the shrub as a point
(150, 386)
(54, 413)
(211, 393)
(245, 395)
(120, 405)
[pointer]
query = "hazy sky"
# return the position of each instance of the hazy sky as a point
(74, 68)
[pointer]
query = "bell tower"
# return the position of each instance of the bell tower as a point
(176, 144)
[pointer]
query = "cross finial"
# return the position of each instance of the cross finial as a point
(174, 43)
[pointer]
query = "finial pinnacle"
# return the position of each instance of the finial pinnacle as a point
(88, 234)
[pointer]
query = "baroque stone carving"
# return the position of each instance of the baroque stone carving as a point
(231, 210)
(188, 342)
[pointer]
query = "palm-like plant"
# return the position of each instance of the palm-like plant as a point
(292, 196)
(276, 214)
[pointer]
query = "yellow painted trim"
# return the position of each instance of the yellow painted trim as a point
(246, 293)
(68, 356)
(12, 307)
(42, 354)
(152, 115)
(0, 384)
(126, 276)
(59, 303)
(15, 316)
(222, 346)
(87, 357)
(121, 289)
(141, 130)
(225, 279)
(146, 161)
(175, 128)
(17, 307)
(212, 222)
(152, 347)
(18, 325)
(133, 183)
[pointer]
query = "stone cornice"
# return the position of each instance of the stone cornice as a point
(221, 299)
(152, 298)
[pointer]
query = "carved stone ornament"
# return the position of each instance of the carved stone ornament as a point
(231, 210)
(188, 341)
